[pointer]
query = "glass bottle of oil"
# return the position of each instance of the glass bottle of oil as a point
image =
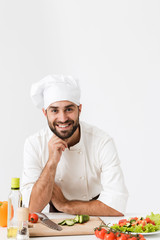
(14, 201)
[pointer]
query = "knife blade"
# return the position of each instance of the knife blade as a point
(47, 222)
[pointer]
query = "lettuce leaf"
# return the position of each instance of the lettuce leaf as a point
(155, 218)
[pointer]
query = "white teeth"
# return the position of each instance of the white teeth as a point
(63, 126)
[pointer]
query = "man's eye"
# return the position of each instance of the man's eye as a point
(54, 110)
(69, 109)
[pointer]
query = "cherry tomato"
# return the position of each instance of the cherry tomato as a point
(127, 235)
(144, 223)
(109, 236)
(122, 222)
(141, 236)
(33, 217)
(122, 236)
(134, 218)
(100, 232)
(148, 220)
(116, 234)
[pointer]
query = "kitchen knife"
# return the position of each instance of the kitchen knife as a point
(47, 222)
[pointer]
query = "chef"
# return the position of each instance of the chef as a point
(71, 166)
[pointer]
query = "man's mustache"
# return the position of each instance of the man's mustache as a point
(66, 122)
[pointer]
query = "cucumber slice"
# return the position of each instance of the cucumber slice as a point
(62, 223)
(77, 218)
(81, 219)
(70, 222)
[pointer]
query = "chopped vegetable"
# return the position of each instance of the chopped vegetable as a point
(62, 223)
(70, 222)
(77, 219)
(83, 218)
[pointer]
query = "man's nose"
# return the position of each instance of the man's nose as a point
(62, 117)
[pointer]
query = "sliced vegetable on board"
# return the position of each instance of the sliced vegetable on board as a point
(77, 219)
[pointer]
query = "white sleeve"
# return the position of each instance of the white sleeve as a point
(32, 168)
(114, 192)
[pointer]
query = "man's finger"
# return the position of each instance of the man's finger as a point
(59, 140)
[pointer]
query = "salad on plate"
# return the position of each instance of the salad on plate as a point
(149, 224)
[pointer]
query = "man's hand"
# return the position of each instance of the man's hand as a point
(92, 208)
(55, 148)
(58, 198)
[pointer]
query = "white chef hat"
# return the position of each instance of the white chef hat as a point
(54, 88)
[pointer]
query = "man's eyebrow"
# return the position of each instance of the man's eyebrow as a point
(52, 107)
(68, 106)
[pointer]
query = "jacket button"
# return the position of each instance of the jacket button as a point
(82, 178)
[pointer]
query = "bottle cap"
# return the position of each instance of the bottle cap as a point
(22, 214)
(15, 183)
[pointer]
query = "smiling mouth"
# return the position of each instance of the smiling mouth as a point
(63, 126)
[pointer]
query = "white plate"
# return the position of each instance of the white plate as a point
(149, 233)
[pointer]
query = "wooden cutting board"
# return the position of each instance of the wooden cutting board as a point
(39, 230)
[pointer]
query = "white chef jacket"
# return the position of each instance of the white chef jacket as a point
(85, 170)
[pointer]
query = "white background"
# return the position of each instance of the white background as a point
(113, 47)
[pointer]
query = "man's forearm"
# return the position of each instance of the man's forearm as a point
(94, 208)
(42, 189)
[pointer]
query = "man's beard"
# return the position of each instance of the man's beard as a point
(64, 134)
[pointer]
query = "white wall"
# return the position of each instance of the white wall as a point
(113, 47)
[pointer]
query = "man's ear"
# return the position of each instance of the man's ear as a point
(44, 112)
(80, 108)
